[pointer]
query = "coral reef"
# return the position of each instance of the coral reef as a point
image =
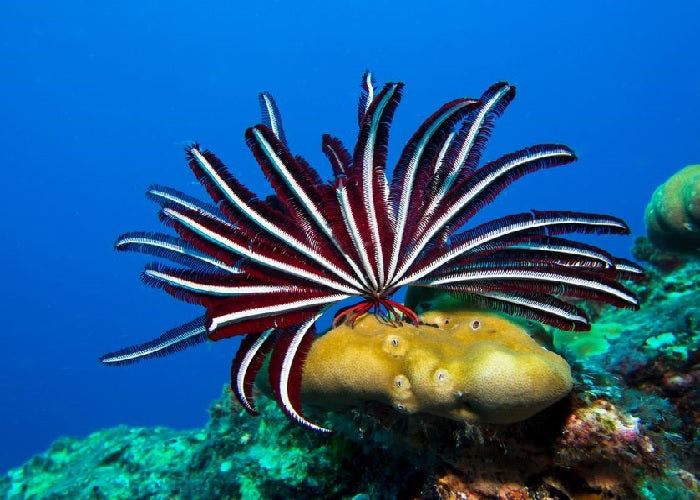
(625, 447)
(474, 366)
(672, 216)
(113, 463)
(569, 450)
(660, 260)
(629, 429)
(651, 361)
(234, 456)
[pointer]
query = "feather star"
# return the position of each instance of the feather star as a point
(266, 270)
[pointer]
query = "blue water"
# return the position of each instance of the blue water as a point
(97, 100)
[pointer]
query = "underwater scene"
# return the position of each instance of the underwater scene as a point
(392, 250)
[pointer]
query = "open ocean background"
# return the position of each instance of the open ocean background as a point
(98, 99)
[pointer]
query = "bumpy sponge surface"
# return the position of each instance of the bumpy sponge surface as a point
(673, 215)
(471, 366)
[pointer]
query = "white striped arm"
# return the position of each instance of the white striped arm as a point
(478, 275)
(225, 243)
(406, 187)
(271, 116)
(262, 222)
(171, 248)
(498, 173)
(545, 220)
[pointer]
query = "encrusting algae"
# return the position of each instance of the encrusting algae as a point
(472, 366)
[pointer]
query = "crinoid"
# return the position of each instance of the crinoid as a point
(266, 270)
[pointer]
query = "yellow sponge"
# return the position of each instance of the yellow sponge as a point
(472, 366)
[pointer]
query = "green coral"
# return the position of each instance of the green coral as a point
(672, 216)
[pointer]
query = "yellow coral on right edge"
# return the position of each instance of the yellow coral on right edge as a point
(473, 366)
(672, 217)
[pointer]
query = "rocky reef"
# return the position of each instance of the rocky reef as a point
(628, 429)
